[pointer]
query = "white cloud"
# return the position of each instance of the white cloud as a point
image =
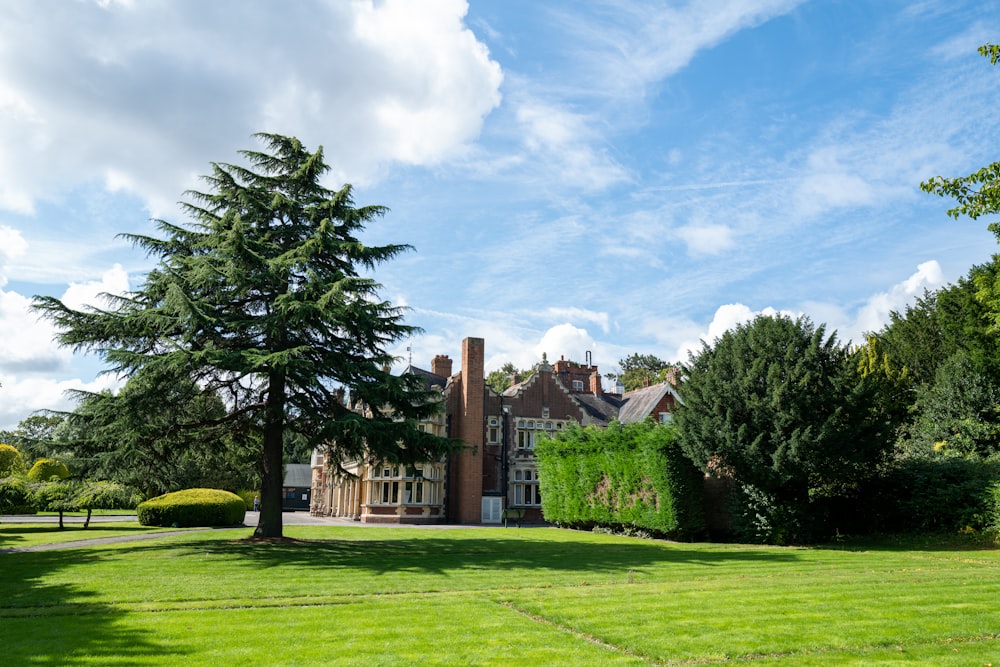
(727, 317)
(114, 282)
(12, 245)
(22, 396)
(875, 313)
(580, 315)
(26, 340)
(141, 96)
(706, 239)
(565, 340)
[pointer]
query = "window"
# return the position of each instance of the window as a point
(666, 417)
(526, 488)
(577, 385)
(494, 434)
(525, 439)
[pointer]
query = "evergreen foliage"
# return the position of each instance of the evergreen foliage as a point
(11, 461)
(630, 477)
(262, 300)
(193, 507)
(785, 412)
(160, 433)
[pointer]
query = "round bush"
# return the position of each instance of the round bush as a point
(45, 469)
(193, 507)
(11, 461)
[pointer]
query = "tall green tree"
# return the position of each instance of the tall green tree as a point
(502, 378)
(785, 411)
(642, 370)
(262, 299)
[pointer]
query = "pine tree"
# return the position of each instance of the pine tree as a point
(261, 299)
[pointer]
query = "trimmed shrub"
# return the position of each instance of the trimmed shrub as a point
(45, 469)
(632, 478)
(193, 507)
(11, 461)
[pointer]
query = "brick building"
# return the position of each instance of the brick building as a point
(495, 470)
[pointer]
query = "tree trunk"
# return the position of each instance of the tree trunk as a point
(269, 519)
(61, 526)
(86, 523)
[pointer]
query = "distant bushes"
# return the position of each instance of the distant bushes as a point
(193, 507)
(632, 478)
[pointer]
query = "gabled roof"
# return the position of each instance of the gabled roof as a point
(639, 403)
(430, 379)
(601, 409)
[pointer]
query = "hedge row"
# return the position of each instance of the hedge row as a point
(630, 476)
(945, 494)
(193, 507)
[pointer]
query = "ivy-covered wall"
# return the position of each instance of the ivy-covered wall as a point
(626, 476)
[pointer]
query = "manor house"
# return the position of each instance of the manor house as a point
(494, 474)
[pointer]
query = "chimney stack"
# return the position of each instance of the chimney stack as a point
(441, 365)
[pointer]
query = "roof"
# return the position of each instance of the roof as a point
(639, 403)
(430, 379)
(298, 475)
(601, 409)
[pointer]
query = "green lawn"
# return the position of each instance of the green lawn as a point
(398, 596)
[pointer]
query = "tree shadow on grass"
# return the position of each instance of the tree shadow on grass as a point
(46, 623)
(444, 555)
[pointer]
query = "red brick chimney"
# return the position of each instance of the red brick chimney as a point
(469, 468)
(441, 365)
(595, 383)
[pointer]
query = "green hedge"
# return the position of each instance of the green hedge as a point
(193, 507)
(624, 477)
(944, 494)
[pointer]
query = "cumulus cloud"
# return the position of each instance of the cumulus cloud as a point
(727, 317)
(12, 245)
(114, 282)
(581, 315)
(875, 313)
(565, 340)
(141, 96)
(23, 396)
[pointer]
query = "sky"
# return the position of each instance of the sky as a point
(576, 178)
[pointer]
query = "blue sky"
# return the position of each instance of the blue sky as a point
(604, 177)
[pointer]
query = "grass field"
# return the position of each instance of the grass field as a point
(400, 596)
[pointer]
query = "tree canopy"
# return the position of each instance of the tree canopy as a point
(262, 299)
(783, 410)
(642, 370)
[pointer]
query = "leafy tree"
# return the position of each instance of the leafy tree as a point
(642, 370)
(784, 411)
(503, 378)
(976, 194)
(261, 300)
(35, 435)
(960, 413)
